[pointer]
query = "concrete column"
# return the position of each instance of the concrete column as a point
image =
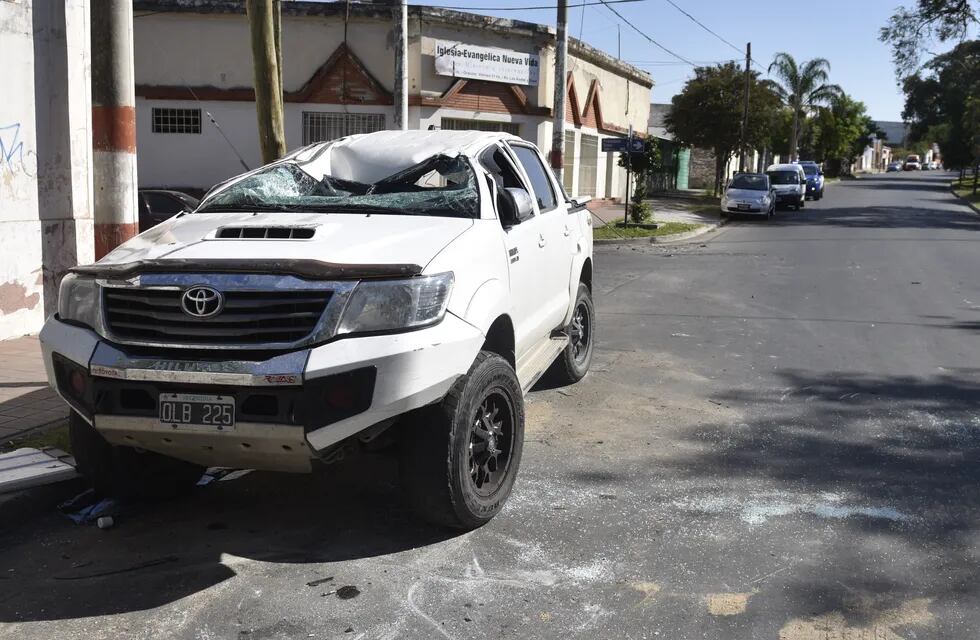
(63, 114)
(113, 124)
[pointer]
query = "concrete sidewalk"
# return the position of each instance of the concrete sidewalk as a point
(26, 401)
(665, 210)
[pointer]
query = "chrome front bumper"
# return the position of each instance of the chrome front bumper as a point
(401, 372)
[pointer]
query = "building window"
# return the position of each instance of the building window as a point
(319, 126)
(176, 120)
(462, 124)
(588, 165)
(568, 162)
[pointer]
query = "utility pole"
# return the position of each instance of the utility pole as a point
(113, 125)
(401, 68)
(268, 86)
(742, 159)
(558, 128)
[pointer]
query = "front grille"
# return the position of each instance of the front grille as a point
(248, 317)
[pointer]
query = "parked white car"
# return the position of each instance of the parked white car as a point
(408, 286)
(749, 193)
(789, 183)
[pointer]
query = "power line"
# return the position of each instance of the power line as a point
(607, 3)
(703, 26)
(545, 6)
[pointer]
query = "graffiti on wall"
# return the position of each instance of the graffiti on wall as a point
(13, 157)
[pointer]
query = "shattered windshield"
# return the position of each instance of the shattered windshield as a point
(438, 186)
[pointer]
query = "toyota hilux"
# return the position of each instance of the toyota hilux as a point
(404, 285)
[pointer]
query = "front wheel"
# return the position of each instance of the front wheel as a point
(125, 472)
(459, 458)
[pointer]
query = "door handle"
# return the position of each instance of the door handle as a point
(568, 231)
(541, 240)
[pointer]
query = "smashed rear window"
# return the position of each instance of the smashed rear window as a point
(438, 186)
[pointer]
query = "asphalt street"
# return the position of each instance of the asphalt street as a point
(779, 439)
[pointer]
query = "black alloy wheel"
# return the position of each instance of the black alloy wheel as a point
(491, 445)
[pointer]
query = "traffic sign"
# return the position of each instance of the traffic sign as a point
(614, 144)
(620, 145)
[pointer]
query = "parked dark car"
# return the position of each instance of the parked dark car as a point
(157, 205)
(814, 179)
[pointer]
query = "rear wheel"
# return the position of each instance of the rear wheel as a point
(573, 363)
(459, 458)
(125, 472)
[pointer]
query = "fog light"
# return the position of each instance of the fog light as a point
(340, 397)
(78, 383)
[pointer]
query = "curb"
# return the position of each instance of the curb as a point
(674, 237)
(960, 198)
(35, 430)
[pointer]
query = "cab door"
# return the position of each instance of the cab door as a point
(524, 244)
(559, 234)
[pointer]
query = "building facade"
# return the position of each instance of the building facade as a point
(195, 111)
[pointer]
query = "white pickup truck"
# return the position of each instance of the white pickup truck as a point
(407, 287)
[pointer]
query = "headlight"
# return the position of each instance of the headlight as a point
(78, 300)
(386, 305)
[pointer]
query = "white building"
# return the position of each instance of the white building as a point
(193, 58)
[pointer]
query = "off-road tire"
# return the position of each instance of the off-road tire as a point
(124, 472)
(569, 369)
(435, 450)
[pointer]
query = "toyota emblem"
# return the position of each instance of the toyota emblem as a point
(202, 302)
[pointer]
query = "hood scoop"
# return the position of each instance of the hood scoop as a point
(264, 233)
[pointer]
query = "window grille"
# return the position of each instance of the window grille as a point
(320, 126)
(170, 120)
(462, 124)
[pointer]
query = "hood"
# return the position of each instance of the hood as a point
(339, 239)
(786, 187)
(745, 194)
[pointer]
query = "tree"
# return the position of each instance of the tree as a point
(939, 103)
(908, 31)
(708, 112)
(263, 21)
(802, 88)
(840, 132)
(641, 165)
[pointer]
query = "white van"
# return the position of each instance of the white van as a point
(789, 183)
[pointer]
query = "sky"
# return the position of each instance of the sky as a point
(845, 32)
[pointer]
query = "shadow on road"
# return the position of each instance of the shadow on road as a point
(160, 553)
(919, 216)
(902, 452)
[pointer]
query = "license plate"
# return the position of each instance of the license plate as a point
(197, 412)
(743, 207)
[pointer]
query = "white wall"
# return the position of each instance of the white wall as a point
(21, 308)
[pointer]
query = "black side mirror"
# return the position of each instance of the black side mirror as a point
(516, 205)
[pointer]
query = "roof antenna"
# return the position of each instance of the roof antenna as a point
(221, 131)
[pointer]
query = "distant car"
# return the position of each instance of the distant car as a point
(893, 166)
(157, 205)
(912, 163)
(814, 179)
(789, 183)
(749, 193)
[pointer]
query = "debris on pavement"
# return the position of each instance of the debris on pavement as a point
(223, 474)
(348, 592)
(28, 467)
(87, 507)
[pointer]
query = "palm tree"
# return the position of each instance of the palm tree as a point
(801, 88)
